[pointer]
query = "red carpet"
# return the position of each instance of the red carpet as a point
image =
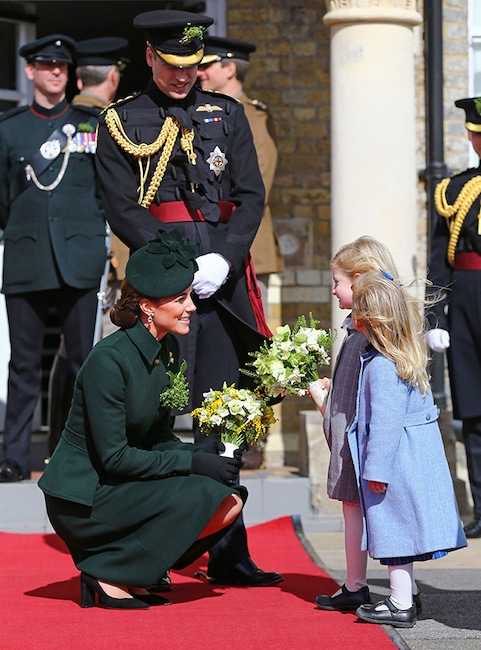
(39, 605)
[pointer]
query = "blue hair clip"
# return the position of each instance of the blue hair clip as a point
(387, 275)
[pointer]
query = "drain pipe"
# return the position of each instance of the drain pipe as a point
(435, 167)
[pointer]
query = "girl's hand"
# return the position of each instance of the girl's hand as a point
(319, 390)
(377, 486)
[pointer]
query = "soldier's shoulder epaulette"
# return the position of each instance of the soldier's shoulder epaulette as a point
(258, 104)
(13, 111)
(122, 101)
(215, 93)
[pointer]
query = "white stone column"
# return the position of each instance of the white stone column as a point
(373, 126)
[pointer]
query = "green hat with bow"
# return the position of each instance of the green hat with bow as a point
(164, 267)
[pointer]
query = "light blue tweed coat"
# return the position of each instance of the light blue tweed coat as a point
(395, 439)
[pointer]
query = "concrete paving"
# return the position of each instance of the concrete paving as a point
(450, 586)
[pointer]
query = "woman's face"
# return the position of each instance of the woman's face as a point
(170, 314)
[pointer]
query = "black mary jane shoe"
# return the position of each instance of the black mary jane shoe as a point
(390, 616)
(10, 472)
(247, 574)
(90, 586)
(346, 601)
(473, 529)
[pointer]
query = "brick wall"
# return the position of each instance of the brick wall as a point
(290, 73)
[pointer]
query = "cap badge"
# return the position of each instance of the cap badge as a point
(217, 161)
(191, 32)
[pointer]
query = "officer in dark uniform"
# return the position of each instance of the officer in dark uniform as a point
(54, 233)
(99, 65)
(185, 157)
(456, 264)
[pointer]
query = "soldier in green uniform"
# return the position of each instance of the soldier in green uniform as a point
(54, 232)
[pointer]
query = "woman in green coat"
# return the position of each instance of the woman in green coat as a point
(130, 499)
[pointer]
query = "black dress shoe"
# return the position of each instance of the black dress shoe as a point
(390, 616)
(162, 584)
(473, 529)
(246, 573)
(10, 472)
(345, 601)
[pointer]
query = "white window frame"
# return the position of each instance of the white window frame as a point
(474, 40)
(23, 92)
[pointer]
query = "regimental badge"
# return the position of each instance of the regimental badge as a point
(50, 149)
(208, 108)
(217, 161)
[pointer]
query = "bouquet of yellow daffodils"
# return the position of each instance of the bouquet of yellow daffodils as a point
(236, 415)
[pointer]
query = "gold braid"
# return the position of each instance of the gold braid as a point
(165, 139)
(459, 209)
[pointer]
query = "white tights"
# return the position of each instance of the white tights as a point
(401, 579)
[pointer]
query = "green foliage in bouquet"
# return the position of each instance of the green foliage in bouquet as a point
(235, 415)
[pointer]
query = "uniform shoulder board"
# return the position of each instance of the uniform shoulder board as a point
(121, 101)
(13, 111)
(215, 93)
(259, 105)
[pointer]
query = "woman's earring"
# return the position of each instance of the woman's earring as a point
(150, 318)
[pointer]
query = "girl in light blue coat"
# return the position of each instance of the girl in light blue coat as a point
(406, 491)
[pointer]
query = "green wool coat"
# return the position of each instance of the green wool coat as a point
(118, 487)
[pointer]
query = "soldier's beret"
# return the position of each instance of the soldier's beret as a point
(163, 268)
(217, 48)
(52, 48)
(472, 108)
(101, 51)
(176, 36)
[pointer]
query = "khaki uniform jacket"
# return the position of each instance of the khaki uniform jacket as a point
(265, 249)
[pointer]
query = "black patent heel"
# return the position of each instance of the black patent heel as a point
(90, 586)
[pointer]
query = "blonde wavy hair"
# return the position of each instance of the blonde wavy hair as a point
(393, 322)
(364, 254)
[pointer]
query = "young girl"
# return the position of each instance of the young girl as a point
(352, 260)
(406, 491)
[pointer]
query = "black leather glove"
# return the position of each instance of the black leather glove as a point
(224, 470)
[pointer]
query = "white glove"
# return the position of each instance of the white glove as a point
(438, 340)
(212, 274)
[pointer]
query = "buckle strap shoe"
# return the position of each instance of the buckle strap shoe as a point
(390, 616)
(10, 471)
(346, 601)
(473, 529)
(247, 574)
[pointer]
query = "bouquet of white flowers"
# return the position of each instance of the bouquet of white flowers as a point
(234, 415)
(288, 363)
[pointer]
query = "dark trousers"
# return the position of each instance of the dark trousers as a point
(27, 317)
(213, 351)
(472, 443)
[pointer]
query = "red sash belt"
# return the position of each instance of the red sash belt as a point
(468, 261)
(177, 211)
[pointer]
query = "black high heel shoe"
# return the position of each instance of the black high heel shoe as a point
(151, 599)
(90, 586)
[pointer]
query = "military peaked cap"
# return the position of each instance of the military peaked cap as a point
(217, 48)
(472, 108)
(101, 51)
(176, 36)
(56, 47)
